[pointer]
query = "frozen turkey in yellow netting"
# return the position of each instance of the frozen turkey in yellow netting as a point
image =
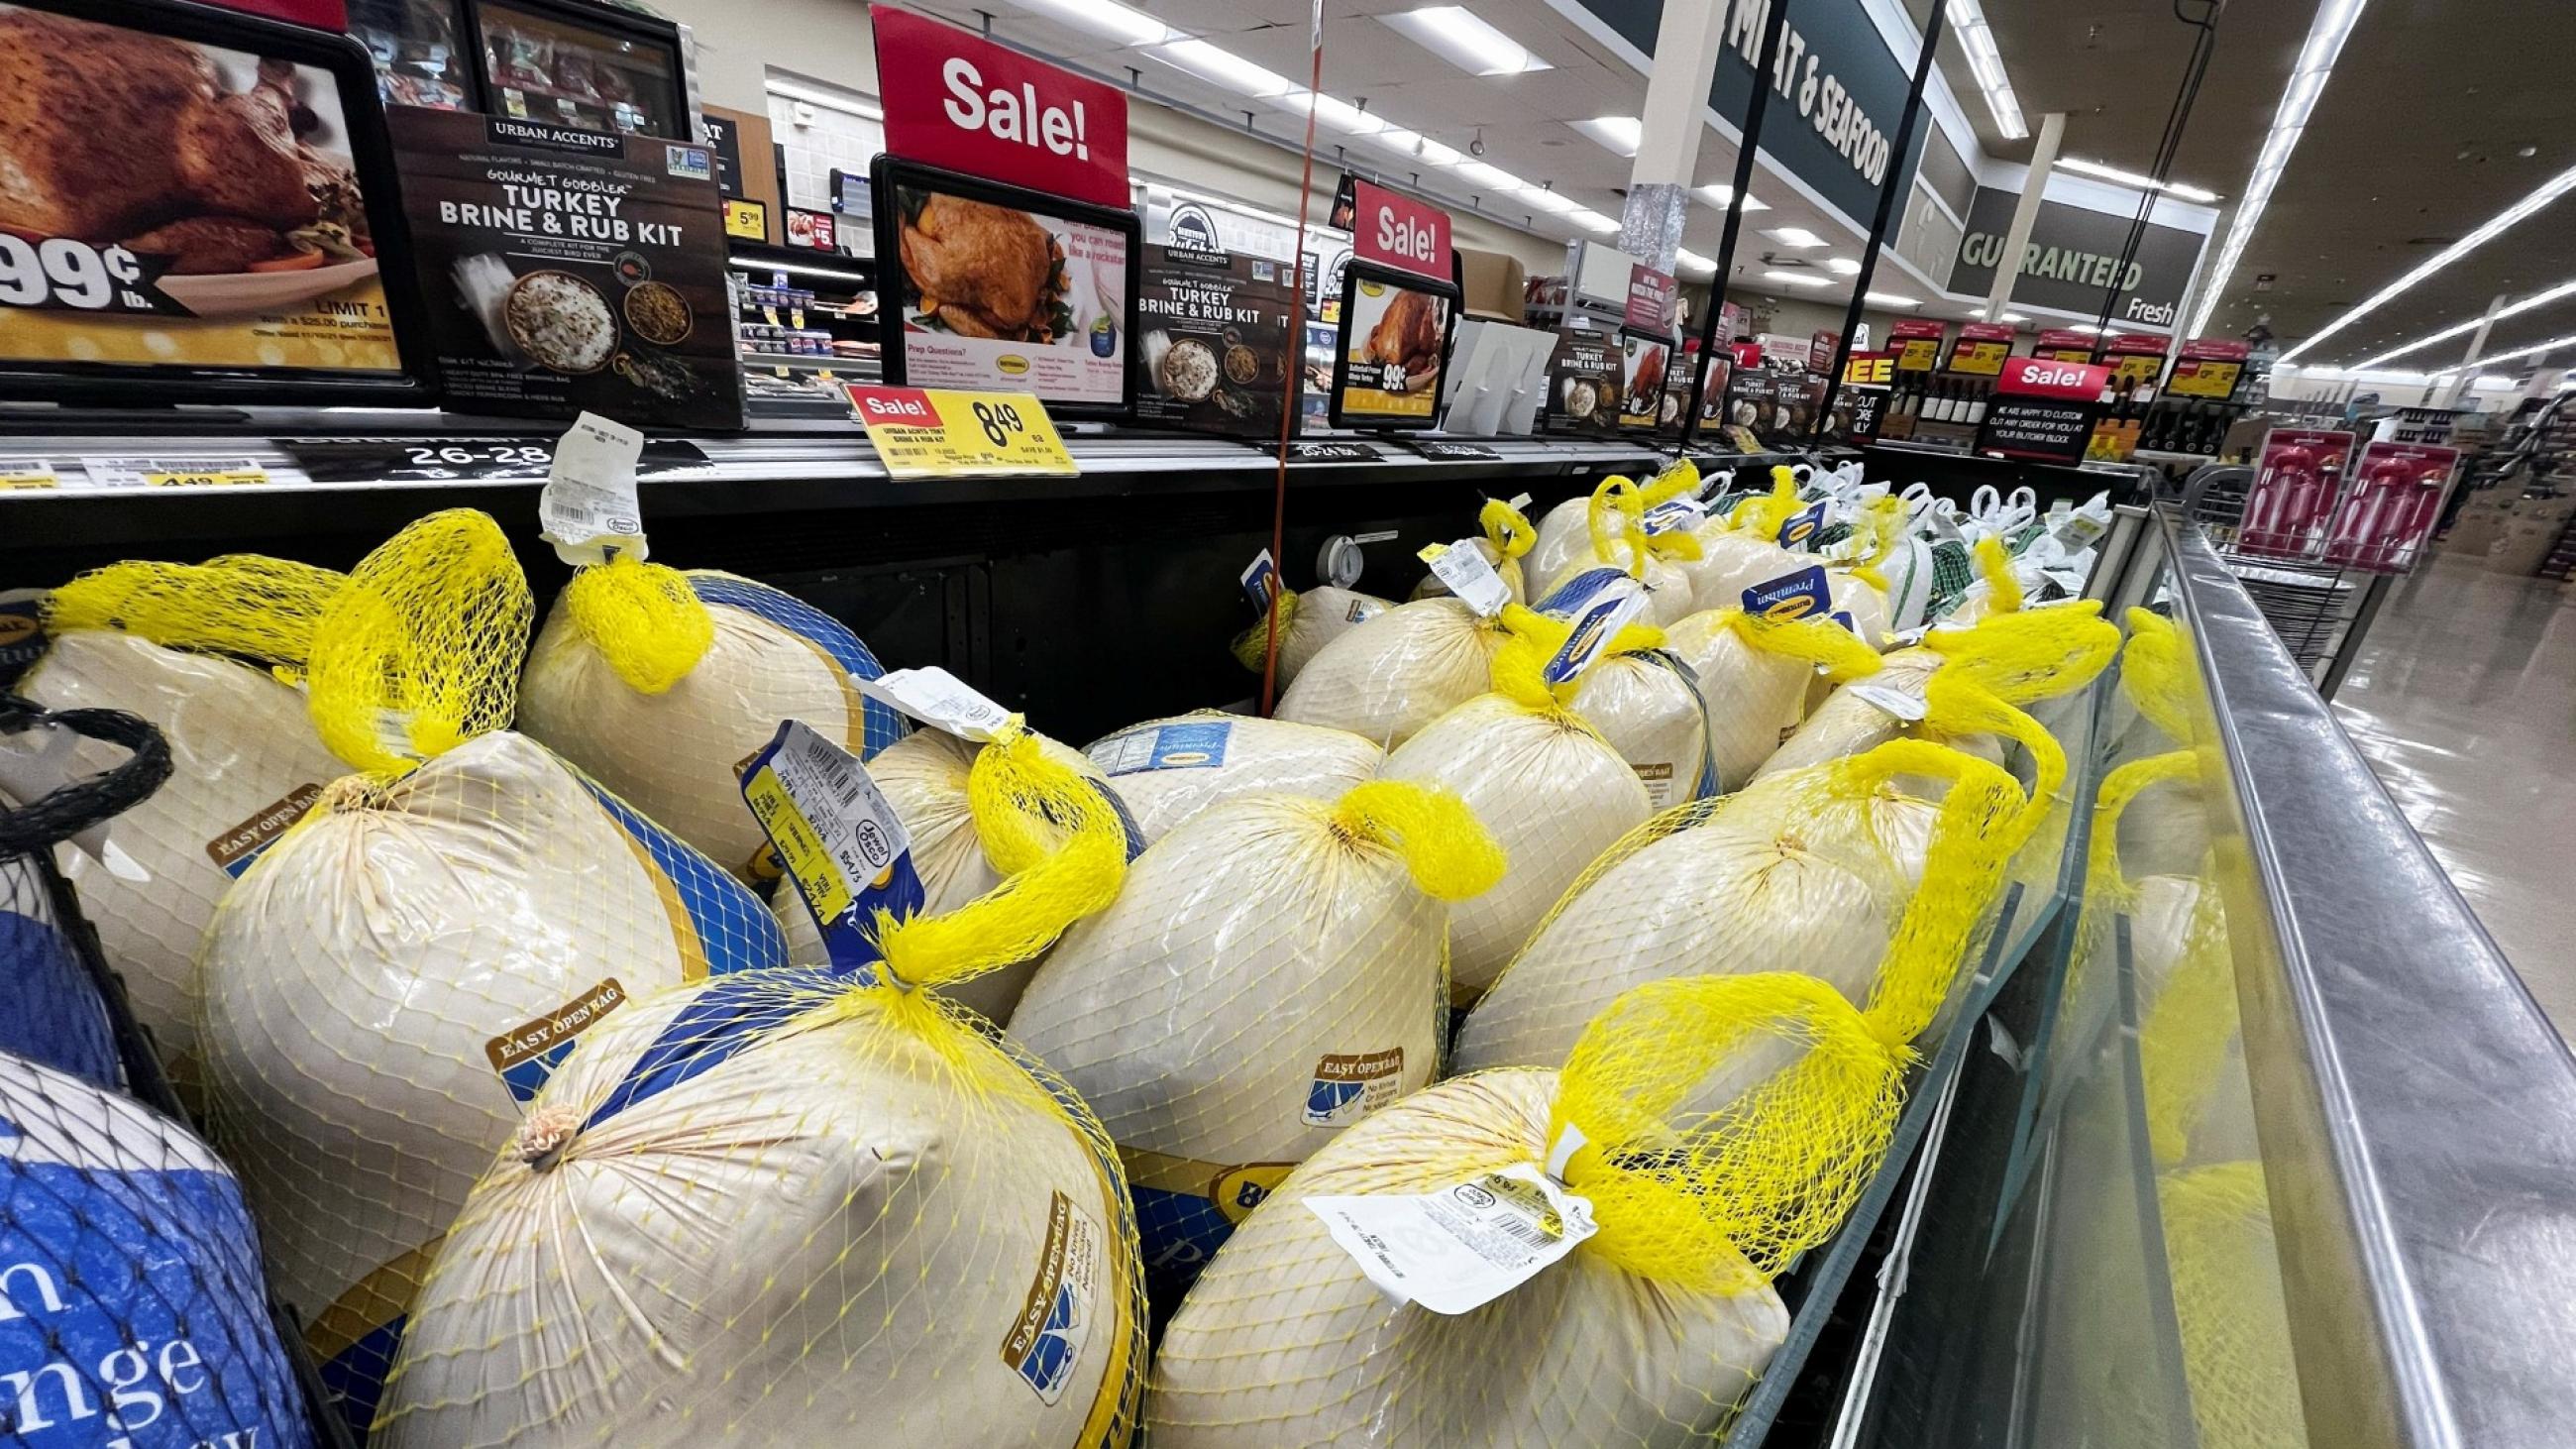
(1398, 672)
(659, 684)
(385, 990)
(1551, 790)
(1646, 1332)
(1168, 770)
(1754, 672)
(1508, 538)
(1307, 622)
(1646, 702)
(800, 1207)
(1271, 973)
(191, 649)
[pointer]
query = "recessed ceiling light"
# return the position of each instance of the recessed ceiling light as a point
(1795, 236)
(2462, 329)
(1335, 112)
(1459, 36)
(1978, 43)
(1842, 266)
(1221, 67)
(1719, 197)
(1492, 178)
(1124, 24)
(2014, 317)
(1891, 299)
(2131, 178)
(1797, 279)
(1621, 135)
(2495, 226)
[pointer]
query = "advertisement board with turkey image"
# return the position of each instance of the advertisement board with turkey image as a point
(1007, 289)
(195, 205)
(1395, 341)
(1645, 404)
(1214, 341)
(580, 271)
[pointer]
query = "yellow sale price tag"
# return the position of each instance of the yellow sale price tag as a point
(28, 473)
(941, 433)
(1985, 359)
(2202, 377)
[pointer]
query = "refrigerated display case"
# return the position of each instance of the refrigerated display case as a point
(569, 62)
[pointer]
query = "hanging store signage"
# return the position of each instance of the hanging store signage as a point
(2135, 358)
(1837, 91)
(1400, 233)
(1652, 295)
(2207, 367)
(1918, 344)
(939, 433)
(2042, 410)
(1982, 348)
(2390, 509)
(589, 268)
(2073, 257)
(965, 104)
(2064, 345)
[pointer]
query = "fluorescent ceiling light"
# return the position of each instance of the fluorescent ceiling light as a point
(828, 100)
(1591, 220)
(1694, 260)
(1221, 67)
(1546, 200)
(1620, 135)
(1722, 196)
(1977, 42)
(2133, 179)
(2494, 226)
(2534, 350)
(2014, 317)
(1891, 299)
(1459, 36)
(1124, 24)
(1492, 178)
(1335, 112)
(1797, 279)
(1795, 236)
(1437, 154)
(1842, 266)
(2326, 35)
(2462, 329)
(2493, 382)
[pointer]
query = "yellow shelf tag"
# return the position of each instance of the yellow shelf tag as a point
(939, 433)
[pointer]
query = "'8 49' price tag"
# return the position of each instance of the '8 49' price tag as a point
(940, 433)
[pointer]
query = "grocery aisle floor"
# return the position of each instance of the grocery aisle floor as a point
(2464, 699)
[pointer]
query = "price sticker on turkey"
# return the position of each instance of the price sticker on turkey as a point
(941, 433)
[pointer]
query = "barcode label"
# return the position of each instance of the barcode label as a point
(1457, 1249)
(837, 837)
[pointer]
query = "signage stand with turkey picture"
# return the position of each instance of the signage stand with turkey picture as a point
(1399, 301)
(196, 205)
(1009, 255)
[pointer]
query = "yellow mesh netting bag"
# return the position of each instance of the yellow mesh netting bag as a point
(1273, 971)
(1541, 778)
(2225, 1266)
(1741, 548)
(794, 1206)
(1307, 622)
(1646, 702)
(1754, 673)
(202, 651)
(1615, 537)
(1817, 870)
(389, 984)
(1648, 1333)
(1508, 538)
(660, 683)
(1399, 671)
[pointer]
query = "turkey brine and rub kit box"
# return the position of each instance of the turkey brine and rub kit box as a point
(192, 203)
(574, 271)
(1214, 344)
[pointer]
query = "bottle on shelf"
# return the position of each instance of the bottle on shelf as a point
(1945, 401)
(1977, 402)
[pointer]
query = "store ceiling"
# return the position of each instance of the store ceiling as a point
(2417, 139)
(1522, 119)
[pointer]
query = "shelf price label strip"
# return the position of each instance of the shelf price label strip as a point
(946, 433)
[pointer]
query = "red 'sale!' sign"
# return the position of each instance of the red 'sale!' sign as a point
(1394, 230)
(2049, 377)
(959, 101)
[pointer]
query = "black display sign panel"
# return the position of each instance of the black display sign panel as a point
(1862, 409)
(727, 143)
(1326, 450)
(2074, 256)
(1584, 382)
(2036, 429)
(454, 459)
(1446, 451)
(1394, 348)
